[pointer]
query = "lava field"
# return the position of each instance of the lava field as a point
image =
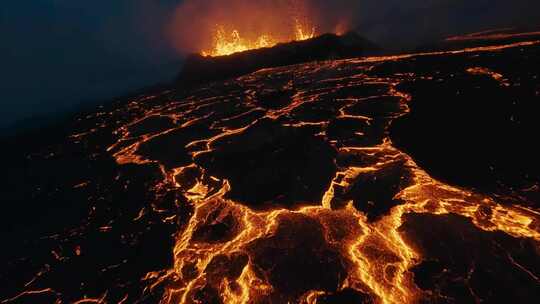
(401, 179)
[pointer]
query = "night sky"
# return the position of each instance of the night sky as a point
(57, 55)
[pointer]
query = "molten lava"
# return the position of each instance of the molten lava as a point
(296, 184)
(227, 43)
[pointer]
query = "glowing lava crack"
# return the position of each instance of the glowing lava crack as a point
(350, 238)
(289, 189)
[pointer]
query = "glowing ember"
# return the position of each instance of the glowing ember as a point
(225, 43)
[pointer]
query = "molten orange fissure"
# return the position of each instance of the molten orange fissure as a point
(227, 43)
(385, 275)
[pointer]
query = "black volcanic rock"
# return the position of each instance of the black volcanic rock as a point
(469, 265)
(200, 69)
(478, 128)
(346, 296)
(272, 165)
(298, 259)
(374, 192)
(177, 138)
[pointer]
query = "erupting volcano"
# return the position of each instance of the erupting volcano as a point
(391, 179)
(220, 28)
(224, 44)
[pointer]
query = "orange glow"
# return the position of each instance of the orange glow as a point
(229, 44)
(485, 71)
(376, 256)
(225, 43)
(224, 27)
(493, 35)
(303, 33)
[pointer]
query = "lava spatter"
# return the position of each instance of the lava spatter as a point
(292, 185)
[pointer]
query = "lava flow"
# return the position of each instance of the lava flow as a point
(365, 180)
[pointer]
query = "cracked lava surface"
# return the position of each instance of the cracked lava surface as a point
(369, 180)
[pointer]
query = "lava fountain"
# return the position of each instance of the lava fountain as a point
(218, 28)
(224, 44)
